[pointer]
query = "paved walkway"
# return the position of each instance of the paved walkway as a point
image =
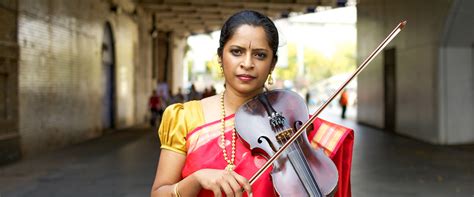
(123, 163)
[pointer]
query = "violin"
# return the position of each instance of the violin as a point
(271, 124)
(269, 120)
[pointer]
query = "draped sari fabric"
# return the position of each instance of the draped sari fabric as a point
(204, 150)
(337, 142)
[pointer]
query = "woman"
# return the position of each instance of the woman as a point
(200, 153)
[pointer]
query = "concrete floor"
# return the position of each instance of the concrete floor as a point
(123, 163)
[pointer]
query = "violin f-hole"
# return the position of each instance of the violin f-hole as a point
(297, 123)
(259, 140)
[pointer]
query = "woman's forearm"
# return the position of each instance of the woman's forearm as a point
(186, 187)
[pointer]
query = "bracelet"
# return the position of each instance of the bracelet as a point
(176, 193)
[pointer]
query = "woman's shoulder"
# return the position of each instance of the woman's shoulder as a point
(180, 118)
(177, 121)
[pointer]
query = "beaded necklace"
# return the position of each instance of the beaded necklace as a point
(230, 162)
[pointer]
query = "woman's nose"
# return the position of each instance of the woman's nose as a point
(247, 63)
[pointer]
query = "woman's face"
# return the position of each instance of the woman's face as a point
(247, 59)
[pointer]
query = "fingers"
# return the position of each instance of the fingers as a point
(227, 189)
(208, 180)
(235, 186)
(243, 182)
(221, 181)
(217, 191)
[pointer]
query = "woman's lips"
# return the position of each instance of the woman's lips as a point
(245, 78)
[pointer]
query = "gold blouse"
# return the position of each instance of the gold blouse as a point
(178, 120)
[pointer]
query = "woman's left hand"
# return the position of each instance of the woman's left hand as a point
(223, 181)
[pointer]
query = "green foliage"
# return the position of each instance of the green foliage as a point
(190, 64)
(289, 72)
(318, 66)
(213, 68)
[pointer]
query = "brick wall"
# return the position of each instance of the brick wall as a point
(60, 77)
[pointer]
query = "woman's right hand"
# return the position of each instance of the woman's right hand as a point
(223, 181)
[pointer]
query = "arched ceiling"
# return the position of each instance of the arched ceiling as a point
(200, 16)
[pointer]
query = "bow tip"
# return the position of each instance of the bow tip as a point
(403, 24)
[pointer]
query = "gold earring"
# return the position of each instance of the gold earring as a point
(222, 71)
(270, 79)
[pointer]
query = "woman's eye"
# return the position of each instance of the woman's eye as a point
(261, 55)
(236, 52)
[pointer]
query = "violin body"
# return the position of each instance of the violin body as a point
(264, 123)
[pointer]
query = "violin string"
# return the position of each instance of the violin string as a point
(303, 159)
(300, 157)
(306, 168)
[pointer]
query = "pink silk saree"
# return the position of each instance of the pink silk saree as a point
(204, 151)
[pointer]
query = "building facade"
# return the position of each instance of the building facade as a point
(422, 85)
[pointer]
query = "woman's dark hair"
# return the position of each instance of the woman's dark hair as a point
(252, 18)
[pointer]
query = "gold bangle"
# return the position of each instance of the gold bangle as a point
(176, 193)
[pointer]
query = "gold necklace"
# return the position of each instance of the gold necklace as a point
(230, 163)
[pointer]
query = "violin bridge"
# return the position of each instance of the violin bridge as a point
(284, 135)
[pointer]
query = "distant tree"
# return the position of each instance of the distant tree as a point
(213, 68)
(318, 66)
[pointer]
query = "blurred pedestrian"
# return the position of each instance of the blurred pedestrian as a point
(193, 94)
(179, 97)
(343, 100)
(308, 97)
(209, 91)
(155, 107)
